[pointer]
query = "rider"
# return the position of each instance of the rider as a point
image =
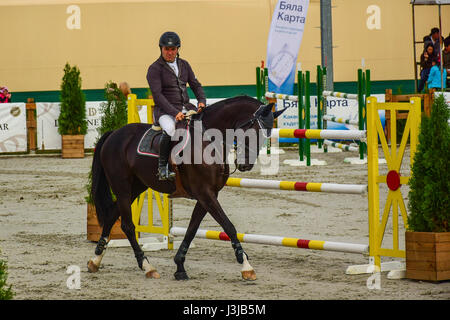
(167, 78)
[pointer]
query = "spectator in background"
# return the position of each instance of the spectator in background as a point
(433, 38)
(125, 88)
(446, 57)
(425, 65)
(434, 79)
(5, 95)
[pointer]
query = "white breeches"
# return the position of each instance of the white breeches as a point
(167, 123)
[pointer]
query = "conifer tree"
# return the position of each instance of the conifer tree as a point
(72, 119)
(429, 195)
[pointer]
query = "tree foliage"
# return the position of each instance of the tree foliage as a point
(114, 116)
(72, 119)
(114, 110)
(429, 195)
(6, 292)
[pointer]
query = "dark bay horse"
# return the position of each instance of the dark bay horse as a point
(117, 167)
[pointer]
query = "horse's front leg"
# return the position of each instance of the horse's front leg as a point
(197, 216)
(212, 205)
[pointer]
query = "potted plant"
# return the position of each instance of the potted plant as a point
(428, 234)
(72, 124)
(114, 116)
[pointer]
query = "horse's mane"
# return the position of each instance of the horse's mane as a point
(222, 103)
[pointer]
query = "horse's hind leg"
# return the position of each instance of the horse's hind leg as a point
(94, 263)
(129, 229)
(212, 205)
(197, 216)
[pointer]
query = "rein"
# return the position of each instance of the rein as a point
(247, 124)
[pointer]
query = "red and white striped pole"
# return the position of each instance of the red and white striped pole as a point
(319, 134)
(278, 241)
(297, 186)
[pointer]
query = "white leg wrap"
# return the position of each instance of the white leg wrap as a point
(98, 259)
(246, 265)
(147, 266)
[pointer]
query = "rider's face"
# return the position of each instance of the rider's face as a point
(169, 53)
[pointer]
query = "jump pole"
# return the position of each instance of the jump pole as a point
(303, 99)
(343, 147)
(341, 120)
(363, 89)
(278, 241)
(297, 186)
(320, 134)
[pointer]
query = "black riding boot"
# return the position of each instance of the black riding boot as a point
(164, 152)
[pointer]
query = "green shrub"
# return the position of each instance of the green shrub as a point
(429, 203)
(72, 119)
(114, 116)
(6, 292)
(114, 110)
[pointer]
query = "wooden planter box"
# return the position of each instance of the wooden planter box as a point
(94, 231)
(72, 146)
(428, 255)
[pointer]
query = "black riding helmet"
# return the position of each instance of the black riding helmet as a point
(169, 39)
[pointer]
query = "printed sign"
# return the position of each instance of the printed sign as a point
(283, 44)
(13, 127)
(48, 137)
(338, 107)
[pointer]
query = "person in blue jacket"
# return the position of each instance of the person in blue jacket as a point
(434, 78)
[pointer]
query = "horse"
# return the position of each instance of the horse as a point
(117, 167)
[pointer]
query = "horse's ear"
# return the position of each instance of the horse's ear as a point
(276, 114)
(266, 109)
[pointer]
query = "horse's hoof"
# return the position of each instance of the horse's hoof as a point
(153, 274)
(249, 275)
(181, 276)
(92, 267)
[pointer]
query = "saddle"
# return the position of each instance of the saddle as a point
(149, 146)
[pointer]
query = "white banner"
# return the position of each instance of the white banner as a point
(13, 127)
(47, 115)
(337, 107)
(283, 44)
(48, 137)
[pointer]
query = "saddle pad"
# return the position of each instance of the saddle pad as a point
(148, 145)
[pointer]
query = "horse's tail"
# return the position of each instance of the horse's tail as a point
(100, 189)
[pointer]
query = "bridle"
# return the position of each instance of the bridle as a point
(244, 126)
(250, 123)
